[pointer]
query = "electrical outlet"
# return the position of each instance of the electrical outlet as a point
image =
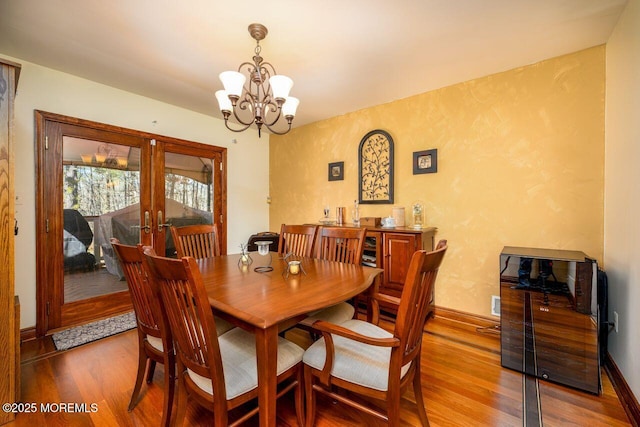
(615, 321)
(495, 305)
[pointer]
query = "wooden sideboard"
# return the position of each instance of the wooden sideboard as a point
(391, 249)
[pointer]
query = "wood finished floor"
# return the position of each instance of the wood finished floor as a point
(463, 385)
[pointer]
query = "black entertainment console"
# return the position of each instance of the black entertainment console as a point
(550, 315)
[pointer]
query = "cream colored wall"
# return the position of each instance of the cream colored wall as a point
(622, 192)
(45, 89)
(520, 163)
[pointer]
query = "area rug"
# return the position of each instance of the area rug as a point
(79, 335)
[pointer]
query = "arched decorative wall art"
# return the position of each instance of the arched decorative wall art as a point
(375, 168)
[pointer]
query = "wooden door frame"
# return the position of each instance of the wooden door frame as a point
(162, 145)
(48, 320)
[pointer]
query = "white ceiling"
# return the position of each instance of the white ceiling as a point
(343, 55)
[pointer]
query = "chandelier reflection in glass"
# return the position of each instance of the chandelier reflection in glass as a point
(264, 100)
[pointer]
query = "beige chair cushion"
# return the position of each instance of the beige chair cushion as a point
(155, 342)
(238, 351)
(222, 326)
(356, 362)
(336, 314)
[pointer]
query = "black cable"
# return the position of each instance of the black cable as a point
(506, 264)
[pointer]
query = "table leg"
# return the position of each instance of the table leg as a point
(267, 355)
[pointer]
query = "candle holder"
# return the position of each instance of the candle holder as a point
(294, 268)
(263, 249)
(245, 258)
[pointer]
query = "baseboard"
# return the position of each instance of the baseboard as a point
(466, 320)
(624, 392)
(27, 334)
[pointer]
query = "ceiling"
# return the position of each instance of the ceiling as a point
(343, 55)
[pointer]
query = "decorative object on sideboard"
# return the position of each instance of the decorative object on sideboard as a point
(425, 161)
(389, 222)
(336, 171)
(264, 100)
(375, 168)
(397, 212)
(370, 221)
(341, 215)
(326, 219)
(417, 214)
(355, 214)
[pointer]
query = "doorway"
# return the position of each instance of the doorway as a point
(98, 181)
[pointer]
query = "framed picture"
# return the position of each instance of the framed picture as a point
(336, 171)
(425, 161)
(375, 168)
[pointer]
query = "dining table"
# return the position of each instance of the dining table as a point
(264, 298)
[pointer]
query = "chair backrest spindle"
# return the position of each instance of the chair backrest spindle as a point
(297, 239)
(340, 244)
(197, 241)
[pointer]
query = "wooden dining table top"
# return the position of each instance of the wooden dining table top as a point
(267, 303)
(267, 299)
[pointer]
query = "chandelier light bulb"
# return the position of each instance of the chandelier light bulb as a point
(233, 82)
(280, 85)
(223, 101)
(290, 106)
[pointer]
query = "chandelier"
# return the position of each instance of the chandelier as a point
(264, 100)
(105, 156)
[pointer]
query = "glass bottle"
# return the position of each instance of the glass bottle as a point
(355, 215)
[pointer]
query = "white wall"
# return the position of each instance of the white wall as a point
(622, 191)
(45, 89)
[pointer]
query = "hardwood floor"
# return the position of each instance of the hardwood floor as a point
(463, 385)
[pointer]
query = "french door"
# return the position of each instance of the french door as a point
(95, 182)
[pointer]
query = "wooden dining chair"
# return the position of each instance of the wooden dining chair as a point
(297, 239)
(218, 372)
(197, 241)
(342, 245)
(367, 360)
(154, 338)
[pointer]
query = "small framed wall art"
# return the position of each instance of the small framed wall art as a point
(336, 171)
(425, 161)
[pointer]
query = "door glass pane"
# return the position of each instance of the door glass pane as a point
(101, 199)
(188, 192)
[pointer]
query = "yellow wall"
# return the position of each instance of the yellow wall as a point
(520, 163)
(622, 205)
